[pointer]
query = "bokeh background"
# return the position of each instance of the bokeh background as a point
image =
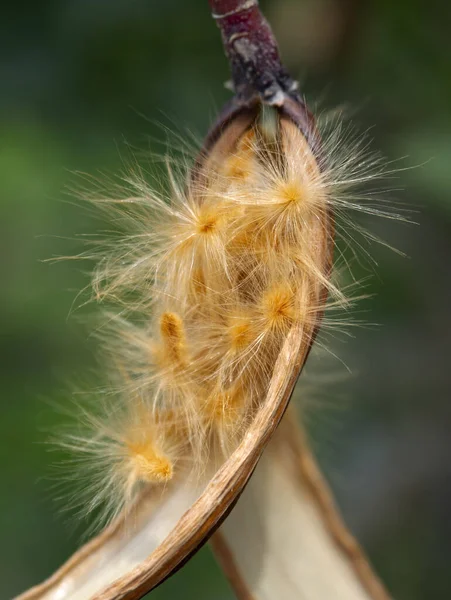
(77, 78)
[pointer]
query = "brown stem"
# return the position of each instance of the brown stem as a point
(252, 51)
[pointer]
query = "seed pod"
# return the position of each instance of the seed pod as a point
(238, 348)
(230, 288)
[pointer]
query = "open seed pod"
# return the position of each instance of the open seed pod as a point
(221, 287)
(245, 322)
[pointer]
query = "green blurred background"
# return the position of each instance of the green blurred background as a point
(76, 78)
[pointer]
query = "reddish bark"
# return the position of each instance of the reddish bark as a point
(252, 51)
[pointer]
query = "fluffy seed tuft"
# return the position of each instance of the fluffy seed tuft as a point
(147, 464)
(277, 308)
(173, 335)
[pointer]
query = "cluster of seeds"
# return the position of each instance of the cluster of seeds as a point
(216, 275)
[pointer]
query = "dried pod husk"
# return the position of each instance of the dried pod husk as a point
(288, 513)
(248, 275)
(141, 548)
